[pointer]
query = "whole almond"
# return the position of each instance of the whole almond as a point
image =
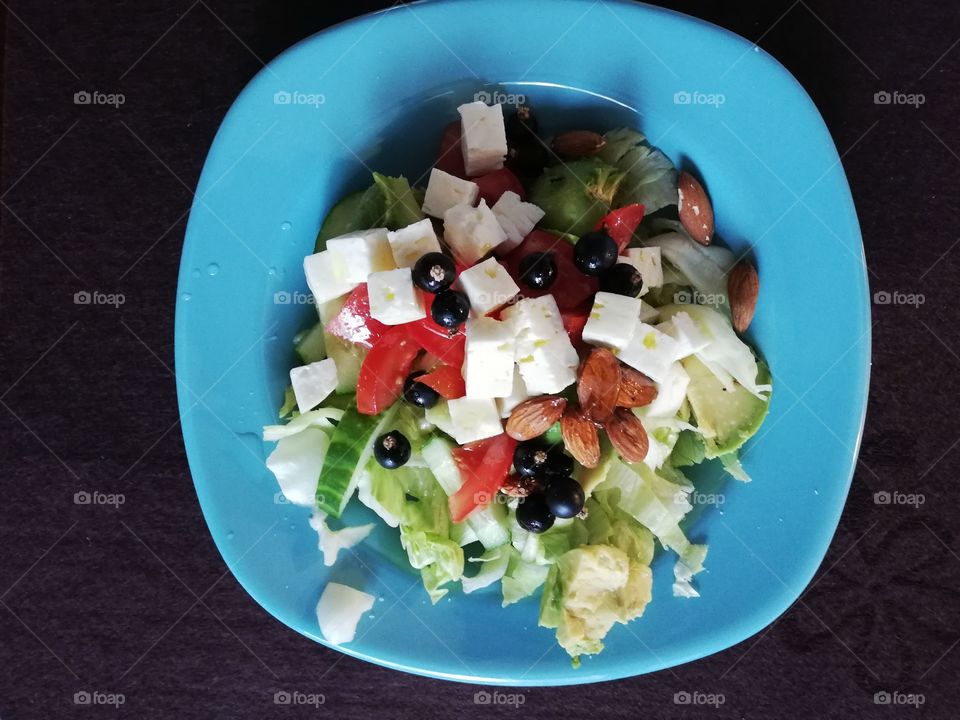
(636, 389)
(535, 416)
(694, 208)
(580, 437)
(599, 385)
(578, 143)
(743, 287)
(628, 435)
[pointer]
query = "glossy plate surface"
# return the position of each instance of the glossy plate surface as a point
(374, 93)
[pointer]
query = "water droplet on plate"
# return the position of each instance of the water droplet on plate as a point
(186, 296)
(212, 269)
(229, 536)
(195, 272)
(272, 272)
(286, 225)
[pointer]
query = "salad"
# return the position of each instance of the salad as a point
(513, 367)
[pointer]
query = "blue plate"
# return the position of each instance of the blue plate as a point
(374, 93)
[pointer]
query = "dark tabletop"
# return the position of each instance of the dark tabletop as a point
(134, 603)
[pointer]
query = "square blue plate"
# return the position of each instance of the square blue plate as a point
(374, 93)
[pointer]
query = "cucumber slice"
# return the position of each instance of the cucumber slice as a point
(357, 211)
(348, 358)
(489, 523)
(310, 345)
(350, 448)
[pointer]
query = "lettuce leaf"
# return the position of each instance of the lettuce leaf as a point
(521, 578)
(650, 178)
(401, 206)
(331, 542)
(493, 566)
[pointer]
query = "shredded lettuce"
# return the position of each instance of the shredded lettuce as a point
(493, 565)
(521, 578)
(319, 418)
(650, 179)
(705, 268)
(401, 206)
(296, 462)
(339, 611)
(333, 541)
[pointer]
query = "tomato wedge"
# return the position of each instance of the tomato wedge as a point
(448, 348)
(484, 466)
(384, 369)
(571, 288)
(494, 184)
(450, 157)
(573, 322)
(446, 380)
(353, 323)
(622, 223)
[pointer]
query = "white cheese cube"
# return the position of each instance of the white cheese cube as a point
(393, 298)
(612, 320)
(488, 286)
(650, 351)
(516, 217)
(690, 337)
(445, 190)
(671, 392)
(471, 232)
(322, 278)
(439, 415)
(313, 383)
(356, 255)
(518, 393)
(474, 419)
(411, 243)
(547, 369)
(535, 318)
(648, 262)
(483, 138)
(489, 361)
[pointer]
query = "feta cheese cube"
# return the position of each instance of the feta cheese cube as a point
(313, 383)
(518, 393)
(690, 337)
(471, 232)
(648, 262)
(489, 361)
(488, 286)
(439, 415)
(650, 351)
(612, 320)
(545, 356)
(547, 369)
(516, 217)
(393, 298)
(445, 190)
(356, 255)
(322, 278)
(483, 138)
(411, 243)
(474, 419)
(671, 392)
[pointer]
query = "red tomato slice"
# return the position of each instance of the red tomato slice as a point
(573, 322)
(571, 288)
(353, 323)
(450, 157)
(436, 340)
(622, 223)
(384, 369)
(446, 380)
(493, 185)
(484, 466)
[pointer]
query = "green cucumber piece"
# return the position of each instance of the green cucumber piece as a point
(360, 210)
(350, 447)
(309, 344)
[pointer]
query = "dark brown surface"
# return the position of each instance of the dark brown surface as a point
(137, 601)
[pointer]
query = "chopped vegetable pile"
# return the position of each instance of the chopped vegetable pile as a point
(513, 367)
